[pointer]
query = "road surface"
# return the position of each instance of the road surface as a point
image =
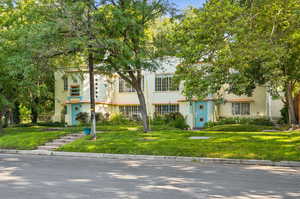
(49, 177)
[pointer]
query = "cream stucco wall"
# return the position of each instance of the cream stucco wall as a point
(108, 97)
(257, 103)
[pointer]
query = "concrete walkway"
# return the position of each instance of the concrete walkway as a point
(50, 177)
(55, 144)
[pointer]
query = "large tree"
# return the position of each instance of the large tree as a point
(24, 77)
(126, 42)
(243, 44)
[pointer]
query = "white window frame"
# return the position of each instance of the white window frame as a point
(241, 108)
(125, 87)
(130, 111)
(164, 83)
(162, 109)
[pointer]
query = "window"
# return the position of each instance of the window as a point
(66, 85)
(126, 87)
(240, 108)
(75, 91)
(165, 83)
(130, 111)
(162, 109)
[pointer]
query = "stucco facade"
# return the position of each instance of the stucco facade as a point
(110, 98)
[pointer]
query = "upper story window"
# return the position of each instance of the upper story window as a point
(162, 109)
(66, 84)
(126, 87)
(75, 90)
(165, 83)
(240, 108)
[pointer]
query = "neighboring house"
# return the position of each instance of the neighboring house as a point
(114, 95)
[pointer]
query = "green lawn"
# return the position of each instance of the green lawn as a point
(241, 128)
(242, 145)
(27, 138)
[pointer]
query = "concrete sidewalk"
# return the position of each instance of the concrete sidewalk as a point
(151, 157)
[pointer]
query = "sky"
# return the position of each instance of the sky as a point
(185, 3)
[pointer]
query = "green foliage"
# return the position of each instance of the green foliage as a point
(118, 119)
(284, 115)
(241, 120)
(40, 124)
(175, 120)
(241, 45)
(240, 128)
(25, 114)
(83, 118)
(100, 117)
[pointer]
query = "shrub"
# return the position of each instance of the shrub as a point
(118, 119)
(172, 117)
(52, 124)
(262, 121)
(175, 120)
(284, 115)
(179, 123)
(157, 119)
(82, 117)
(100, 117)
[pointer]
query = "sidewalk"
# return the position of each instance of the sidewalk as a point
(151, 157)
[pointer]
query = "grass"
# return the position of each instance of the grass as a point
(274, 146)
(241, 128)
(232, 142)
(27, 138)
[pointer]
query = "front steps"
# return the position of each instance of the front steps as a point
(55, 144)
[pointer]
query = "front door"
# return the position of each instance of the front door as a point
(75, 111)
(201, 114)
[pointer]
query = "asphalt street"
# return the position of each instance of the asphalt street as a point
(49, 177)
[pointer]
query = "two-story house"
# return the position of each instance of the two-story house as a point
(114, 95)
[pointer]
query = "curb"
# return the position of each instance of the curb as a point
(151, 157)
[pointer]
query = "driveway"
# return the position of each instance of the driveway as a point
(49, 177)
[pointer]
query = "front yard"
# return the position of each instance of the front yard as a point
(221, 144)
(129, 139)
(28, 138)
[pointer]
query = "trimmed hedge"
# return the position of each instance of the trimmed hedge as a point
(262, 121)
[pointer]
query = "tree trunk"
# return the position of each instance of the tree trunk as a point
(34, 114)
(92, 93)
(34, 111)
(6, 119)
(91, 71)
(290, 102)
(16, 113)
(143, 108)
(1, 127)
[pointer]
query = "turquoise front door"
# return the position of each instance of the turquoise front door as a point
(201, 114)
(75, 110)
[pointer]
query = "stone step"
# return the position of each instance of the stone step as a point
(60, 141)
(71, 137)
(55, 143)
(65, 140)
(47, 147)
(77, 134)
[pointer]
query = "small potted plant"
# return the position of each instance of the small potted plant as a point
(83, 119)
